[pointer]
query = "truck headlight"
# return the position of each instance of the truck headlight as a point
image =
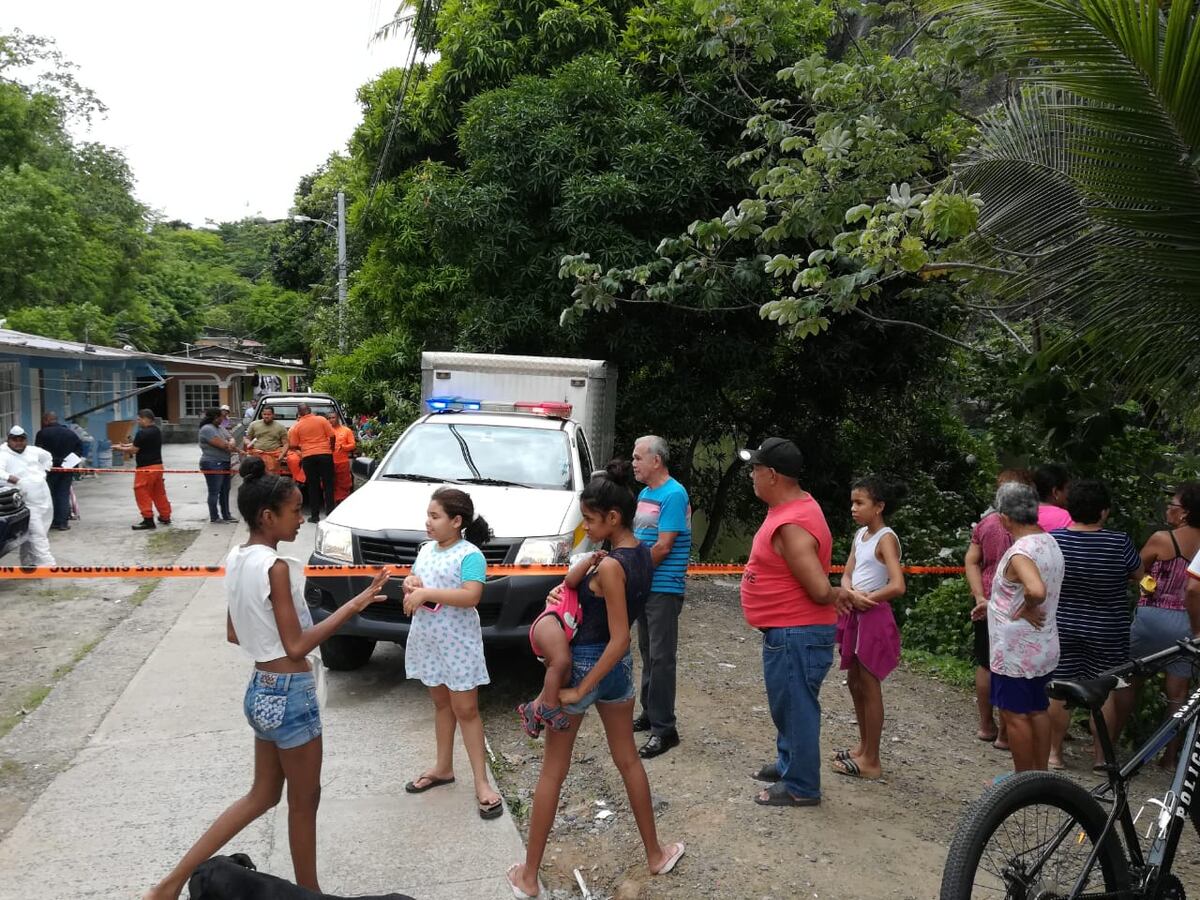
(335, 541)
(546, 551)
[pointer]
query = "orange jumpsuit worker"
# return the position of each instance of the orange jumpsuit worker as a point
(313, 437)
(343, 446)
(149, 486)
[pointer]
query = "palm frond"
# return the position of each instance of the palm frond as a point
(1090, 175)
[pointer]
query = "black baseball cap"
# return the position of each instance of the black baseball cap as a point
(776, 453)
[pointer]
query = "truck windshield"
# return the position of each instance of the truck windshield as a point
(485, 454)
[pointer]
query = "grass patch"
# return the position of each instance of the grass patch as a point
(57, 595)
(170, 541)
(34, 698)
(28, 704)
(144, 590)
(952, 670)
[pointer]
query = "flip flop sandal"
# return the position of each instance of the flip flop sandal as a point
(841, 754)
(769, 772)
(778, 795)
(677, 854)
(491, 810)
(531, 722)
(555, 717)
(413, 788)
(850, 769)
(990, 740)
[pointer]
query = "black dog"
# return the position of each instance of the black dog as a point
(235, 877)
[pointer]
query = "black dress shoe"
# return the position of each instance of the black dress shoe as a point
(659, 744)
(641, 723)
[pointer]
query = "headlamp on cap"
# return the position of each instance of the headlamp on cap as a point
(776, 453)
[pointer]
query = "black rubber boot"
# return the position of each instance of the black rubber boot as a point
(145, 525)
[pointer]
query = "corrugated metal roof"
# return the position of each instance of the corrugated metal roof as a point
(20, 340)
(36, 345)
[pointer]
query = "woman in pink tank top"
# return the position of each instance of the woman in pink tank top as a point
(1162, 617)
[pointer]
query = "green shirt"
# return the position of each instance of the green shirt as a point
(267, 437)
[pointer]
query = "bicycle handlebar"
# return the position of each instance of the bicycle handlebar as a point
(1141, 666)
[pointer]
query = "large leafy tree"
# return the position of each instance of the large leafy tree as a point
(568, 135)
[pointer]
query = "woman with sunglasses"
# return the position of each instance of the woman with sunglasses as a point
(1162, 617)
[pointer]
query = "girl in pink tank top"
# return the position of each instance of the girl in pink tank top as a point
(868, 639)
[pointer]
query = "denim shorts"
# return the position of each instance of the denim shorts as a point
(282, 708)
(615, 687)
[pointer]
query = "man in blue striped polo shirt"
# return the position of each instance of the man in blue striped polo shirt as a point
(664, 524)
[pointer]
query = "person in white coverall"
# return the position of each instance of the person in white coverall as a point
(26, 467)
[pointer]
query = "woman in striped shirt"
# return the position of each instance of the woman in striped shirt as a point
(1093, 608)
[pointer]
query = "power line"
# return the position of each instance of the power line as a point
(420, 21)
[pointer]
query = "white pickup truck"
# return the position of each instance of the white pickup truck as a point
(523, 461)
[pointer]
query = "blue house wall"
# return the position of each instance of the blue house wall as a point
(31, 384)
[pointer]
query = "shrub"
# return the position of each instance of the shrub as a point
(939, 622)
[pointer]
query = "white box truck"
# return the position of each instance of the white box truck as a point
(588, 385)
(517, 433)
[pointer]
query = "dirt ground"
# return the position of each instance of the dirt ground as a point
(50, 625)
(868, 839)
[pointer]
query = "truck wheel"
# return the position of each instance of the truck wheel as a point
(343, 653)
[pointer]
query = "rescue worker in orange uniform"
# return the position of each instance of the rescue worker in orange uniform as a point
(343, 449)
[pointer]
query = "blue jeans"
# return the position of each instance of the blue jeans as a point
(218, 488)
(60, 494)
(795, 661)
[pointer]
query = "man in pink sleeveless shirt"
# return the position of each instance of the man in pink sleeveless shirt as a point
(787, 596)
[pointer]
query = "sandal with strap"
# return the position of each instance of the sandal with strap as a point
(531, 719)
(555, 717)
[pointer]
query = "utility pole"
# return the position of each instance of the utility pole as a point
(341, 239)
(340, 228)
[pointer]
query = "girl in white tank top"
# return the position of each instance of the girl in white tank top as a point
(867, 635)
(270, 621)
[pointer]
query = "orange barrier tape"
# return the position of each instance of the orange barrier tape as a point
(133, 471)
(28, 572)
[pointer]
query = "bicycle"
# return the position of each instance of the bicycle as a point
(1041, 836)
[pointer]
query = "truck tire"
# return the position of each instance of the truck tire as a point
(343, 653)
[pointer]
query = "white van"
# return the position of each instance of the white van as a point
(523, 464)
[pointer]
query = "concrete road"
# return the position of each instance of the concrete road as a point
(149, 744)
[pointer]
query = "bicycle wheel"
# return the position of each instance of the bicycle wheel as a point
(1004, 844)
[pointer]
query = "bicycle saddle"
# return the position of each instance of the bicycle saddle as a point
(1089, 692)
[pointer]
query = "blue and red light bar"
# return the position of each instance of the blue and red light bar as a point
(548, 408)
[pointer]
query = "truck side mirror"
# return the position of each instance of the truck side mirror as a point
(363, 466)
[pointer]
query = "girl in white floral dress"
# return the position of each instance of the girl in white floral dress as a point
(445, 644)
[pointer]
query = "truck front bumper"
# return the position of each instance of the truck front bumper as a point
(510, 604)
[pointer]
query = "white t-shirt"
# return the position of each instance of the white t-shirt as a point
(248, 592)
(1194, 568)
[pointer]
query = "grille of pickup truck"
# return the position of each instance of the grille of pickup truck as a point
(10, 502)
(383, 552)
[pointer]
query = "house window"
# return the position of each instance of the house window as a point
(199, 396)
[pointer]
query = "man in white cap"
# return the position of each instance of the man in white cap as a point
(26, 467)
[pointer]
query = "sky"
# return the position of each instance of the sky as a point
(220, 106)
